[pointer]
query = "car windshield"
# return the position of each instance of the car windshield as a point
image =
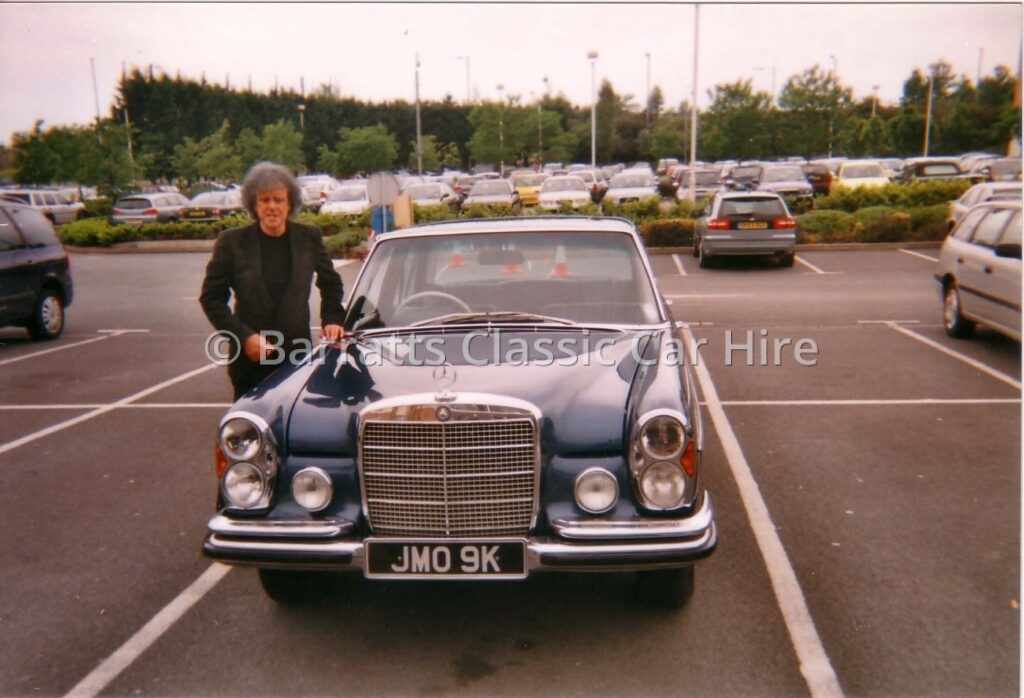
(783, 174)
(704, 178)
(627, 181)
(583, 277)
(489, 187)
(528, 180)
(567, 184)
(424, 191)
(348, 194)
(863, 171)
(1005, 167)
(940, 169)
(753, 206)
(745, 172)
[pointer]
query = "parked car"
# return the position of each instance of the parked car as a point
(745, 224)
(708, 182)
(315, 189)
(1001, 170)
(595, 181)
(979, 193)
(466, 432)
(854, 174)
(930, 168)
(785, 180)
(432, 194)
(212, 206)
(159, 207)
(979, 271)
(492, 192)
(819, 176)
(348, 199)
(631, 185)
(35, 273)
(743, 177)
(51, 204)
(563, 189)
(527, 185)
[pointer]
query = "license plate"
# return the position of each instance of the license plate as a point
(753, 225)
(445, 559)
(197, 214)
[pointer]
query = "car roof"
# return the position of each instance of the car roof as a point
(531, 224)
(756, 194)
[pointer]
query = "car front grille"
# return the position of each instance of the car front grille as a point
(449, 470)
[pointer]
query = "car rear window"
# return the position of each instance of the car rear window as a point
(759, 206)
(132, 204)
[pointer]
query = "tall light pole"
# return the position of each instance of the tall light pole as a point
(692, 194)
(928, 114)
(302, 116)
(648, 118)
(592, 57)
(874, 100)
(419, 142)
(469, 99)
(501, 127)
(835, 70)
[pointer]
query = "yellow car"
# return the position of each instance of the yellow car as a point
(527, 185)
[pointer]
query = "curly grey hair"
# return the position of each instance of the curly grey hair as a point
(268, 175)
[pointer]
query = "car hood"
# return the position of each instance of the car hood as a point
(632, 191)
(585, 398)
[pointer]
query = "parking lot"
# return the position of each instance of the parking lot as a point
(865, 470)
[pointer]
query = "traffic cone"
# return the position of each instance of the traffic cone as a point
(513, 269)
(561, 268)
(457, 260)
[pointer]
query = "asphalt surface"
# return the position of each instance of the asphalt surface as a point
(868, 509)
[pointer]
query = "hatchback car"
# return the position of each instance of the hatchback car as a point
(979, 271)
(163, 207)
(52, 204)
(745, 224)
(513, 398)
(784, 180)
(527, 185)
(212, 206)
(347, 200)
(708, 182)
(631, 185)
(568, 190)
(35, 273)
(979, 193)
(497, 193)
(432, 194)
(854, 174)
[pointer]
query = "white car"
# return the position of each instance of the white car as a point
(979, 193)
(347, 200)
(631, 185)
(979, 271)
(569, 189)
(431, 193)
(315, 189)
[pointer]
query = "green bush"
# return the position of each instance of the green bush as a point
(677, 232)
(896, 194)
(342, 244)
(826, 226)
(97, 208)
(667, 186)
(433, 213)
(636, 211)
(886, 227)
(928, 223)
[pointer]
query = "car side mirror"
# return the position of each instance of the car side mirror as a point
(1009, 250)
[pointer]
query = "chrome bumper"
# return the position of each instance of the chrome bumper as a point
(578, 546)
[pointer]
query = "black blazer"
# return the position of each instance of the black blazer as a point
(236, 267)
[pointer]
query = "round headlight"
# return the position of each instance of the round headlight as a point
(312, 489)
(663, 485)
(243, 486)
(597, 491)
(662, 438)
(240, 439)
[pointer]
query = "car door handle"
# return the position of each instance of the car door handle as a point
(988, 270)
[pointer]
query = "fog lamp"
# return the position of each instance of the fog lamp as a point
(596, 491)
(663, 485)
(312, 489)
(240, 439)
(243, 486)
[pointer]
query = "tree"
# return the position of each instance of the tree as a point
(735, 125)
(366, 149)
(815, 102)
(667, 140)
(655, 103)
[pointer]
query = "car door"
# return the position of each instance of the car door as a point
(16, 299)
(976, 264)
(1006, 279)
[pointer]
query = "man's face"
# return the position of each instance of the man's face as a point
(272, 208)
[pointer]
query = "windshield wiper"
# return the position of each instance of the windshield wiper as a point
(510, 316)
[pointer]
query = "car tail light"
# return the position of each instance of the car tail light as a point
(784, 222)
(181, 213)
(718, 224)
(118, 211)
(150, 212)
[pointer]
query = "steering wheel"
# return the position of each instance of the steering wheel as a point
(448, 298)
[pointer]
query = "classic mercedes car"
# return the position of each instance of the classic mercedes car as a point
(512, 397)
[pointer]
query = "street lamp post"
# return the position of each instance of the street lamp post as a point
(592, 57)
(692, 194)
(419, 142)
(874, 100)
(648, 95)
(302, 116)
(501, 127)
(928, 115)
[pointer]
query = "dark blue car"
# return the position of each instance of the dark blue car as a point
(514, 397)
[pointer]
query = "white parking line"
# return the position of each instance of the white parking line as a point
(679, 265)
(813, 268)
(869, 403)
(11, 445)
(122, 658)
(998, 375)
(107, 334)
(814, 662)
(912, 253)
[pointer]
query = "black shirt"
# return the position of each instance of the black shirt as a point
(276, 255)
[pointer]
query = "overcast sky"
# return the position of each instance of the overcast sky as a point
(368, 51)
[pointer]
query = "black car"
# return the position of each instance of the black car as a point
(35, 278)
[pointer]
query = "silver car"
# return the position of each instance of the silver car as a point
(979, 193)
(631, 185)
(162, 207)
(745, 224)
(979, 271)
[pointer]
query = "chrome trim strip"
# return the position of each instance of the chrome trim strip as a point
(326, 528)
(697, 524)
